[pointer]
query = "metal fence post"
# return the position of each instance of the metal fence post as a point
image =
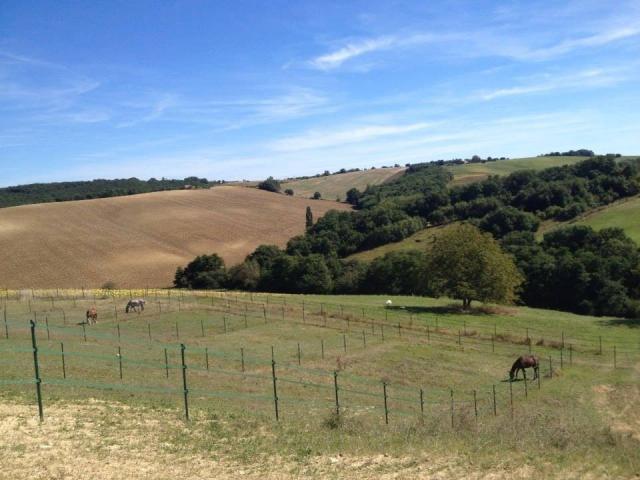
(344, 342)
(386, 408)
(242, 358)
(206, 357)
(275, 389)
(299, 354)
(120, 361)
(495, 408)
(451, 391)
(185, 390)
(166, 362)
(36, 368)
(550, 368)
(64, 369)
(202, 327)
(6, 325)
(322, 348)
(335, 387)
(475, 404)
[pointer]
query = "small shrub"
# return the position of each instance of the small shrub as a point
(109, 285)
(317, 196)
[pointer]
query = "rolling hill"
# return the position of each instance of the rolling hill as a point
(473, 172)
(141, 239)
(336, 186)
(623, 214)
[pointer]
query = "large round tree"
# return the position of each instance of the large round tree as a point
(468, 265)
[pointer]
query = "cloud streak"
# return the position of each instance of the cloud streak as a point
(326, 139)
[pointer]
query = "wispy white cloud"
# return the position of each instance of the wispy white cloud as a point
(609, 35)
(584, 79)
(324, 139)
(354, 49)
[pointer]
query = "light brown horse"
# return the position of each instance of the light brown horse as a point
(525, 361)
(92, 316)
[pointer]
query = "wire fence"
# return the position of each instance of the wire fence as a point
(150, 367)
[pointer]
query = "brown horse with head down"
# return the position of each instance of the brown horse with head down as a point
(525, 361)
(92, 316)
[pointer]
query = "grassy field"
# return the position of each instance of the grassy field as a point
(142, 239)
(421, 240)
(473, 172)
(624, 214)
(335, 186)
(576, 422)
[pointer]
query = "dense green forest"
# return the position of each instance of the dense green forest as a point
(575, 269)
(63, 191)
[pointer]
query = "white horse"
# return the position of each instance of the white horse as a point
(134, 305)
(388, 303)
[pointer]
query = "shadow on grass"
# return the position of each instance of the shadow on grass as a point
(483, 310)
(621, 322)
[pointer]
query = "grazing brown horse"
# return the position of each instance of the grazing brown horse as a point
(525, 361)
(92, 316)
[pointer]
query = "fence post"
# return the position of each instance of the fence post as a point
(428, 335)
(526, 386)
(322, 348)
(475, 404)
(185, 390)
(6, 325)
(120, 361)
(46, 322)
(495, 408)
(493, 346)
(382, 331)
(550, 368)
(344, 342)
(36, 368)
(570, 354)
(422, 405)
(299, 354)
(335, 387)
(166, 362)
(364, 340)
(64, 368)
(242, 358)
(399, 330)
(206, 357)
(563, 339)
(149, 329)
(118, 329)
(452, 411)
(202, 327)
(275, 388)
(561, 357)
(386, 408)
(64, 317)
(511, 396)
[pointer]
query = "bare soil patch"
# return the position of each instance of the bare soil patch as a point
(140, 240)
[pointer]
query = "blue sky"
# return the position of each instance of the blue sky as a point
(246, 89)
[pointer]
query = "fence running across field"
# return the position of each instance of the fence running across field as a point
(132, 362)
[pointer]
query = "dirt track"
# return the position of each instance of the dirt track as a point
(138, 241)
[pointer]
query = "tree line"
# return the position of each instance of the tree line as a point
(603, 266)
(99, 188)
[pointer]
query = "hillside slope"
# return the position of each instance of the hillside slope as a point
(623, 214)
(473, 172)
(336, 186)
(141, 239)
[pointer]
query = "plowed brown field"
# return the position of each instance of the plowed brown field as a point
(140, 240)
